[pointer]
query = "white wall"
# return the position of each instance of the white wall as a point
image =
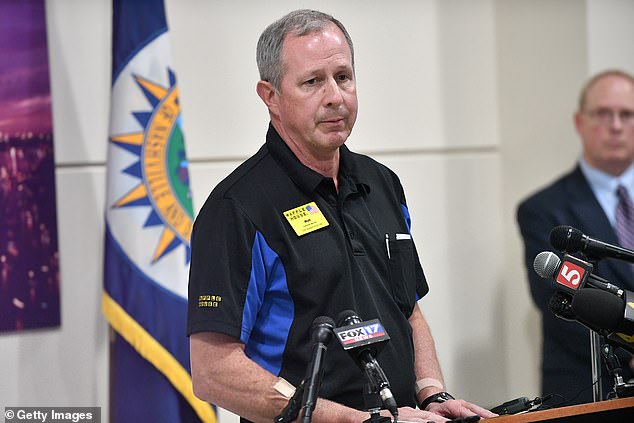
(470, 102)
(541, 64)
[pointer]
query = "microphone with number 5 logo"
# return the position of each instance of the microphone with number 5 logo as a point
(571, 274)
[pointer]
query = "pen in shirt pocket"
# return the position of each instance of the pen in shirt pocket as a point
(397, 237)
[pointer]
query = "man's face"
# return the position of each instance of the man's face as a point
(317, 100)
(608, 140)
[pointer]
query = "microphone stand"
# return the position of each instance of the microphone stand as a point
(313, 380)
(612, 362)
(372, 401)
(595, 355)
(595, 358)
(291, 411)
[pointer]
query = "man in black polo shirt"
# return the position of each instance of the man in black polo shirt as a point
(307, 228)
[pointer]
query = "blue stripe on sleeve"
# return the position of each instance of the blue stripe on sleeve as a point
(268, 310)
(408, 220)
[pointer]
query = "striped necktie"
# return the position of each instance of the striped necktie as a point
(624, 226)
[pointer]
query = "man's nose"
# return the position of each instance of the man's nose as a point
(332, 95)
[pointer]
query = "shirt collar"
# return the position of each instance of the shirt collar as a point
(605, 182)
(306, 178)
(604, 186)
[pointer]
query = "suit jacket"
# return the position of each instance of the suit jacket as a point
(566, 363)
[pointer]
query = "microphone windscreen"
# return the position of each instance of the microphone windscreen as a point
(566, 238)
(546, 264)
(599, 308)
(560, 304)
(323, 320)
(322, 329)
(347, 317)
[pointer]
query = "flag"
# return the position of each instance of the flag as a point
(149, 217)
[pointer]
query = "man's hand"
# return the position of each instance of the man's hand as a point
(458, 408)
(409, 414)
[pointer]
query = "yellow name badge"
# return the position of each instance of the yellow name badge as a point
(305, 219)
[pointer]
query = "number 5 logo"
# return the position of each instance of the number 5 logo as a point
(570, 275)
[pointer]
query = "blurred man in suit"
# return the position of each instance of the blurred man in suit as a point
(585, 198)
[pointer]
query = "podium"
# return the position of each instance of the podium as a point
(617, 410)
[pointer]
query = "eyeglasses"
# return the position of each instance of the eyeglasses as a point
(606, 116)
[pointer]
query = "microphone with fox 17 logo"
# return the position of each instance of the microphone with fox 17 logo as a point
(363, 341)
(571, 274)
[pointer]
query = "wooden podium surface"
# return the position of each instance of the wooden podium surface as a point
(617, 410)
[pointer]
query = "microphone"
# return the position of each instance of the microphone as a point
(572, 274)
(321, 334)
(603, 309)
(571, 240)
(291, 411)
(607, 314)
(363, 341)
(560, 305)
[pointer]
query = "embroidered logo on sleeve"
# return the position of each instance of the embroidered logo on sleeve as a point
(209, 301)
(305, 219)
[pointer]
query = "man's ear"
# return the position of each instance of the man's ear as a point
(267, 93)
(578, 119)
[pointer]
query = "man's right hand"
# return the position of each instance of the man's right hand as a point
(409, 414)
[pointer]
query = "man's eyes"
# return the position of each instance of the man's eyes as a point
(339, 78)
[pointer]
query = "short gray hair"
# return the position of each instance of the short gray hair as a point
(299, 23)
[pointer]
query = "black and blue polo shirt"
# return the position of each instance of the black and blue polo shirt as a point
(275, 245)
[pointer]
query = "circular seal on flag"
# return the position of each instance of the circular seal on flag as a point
(149, 200)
